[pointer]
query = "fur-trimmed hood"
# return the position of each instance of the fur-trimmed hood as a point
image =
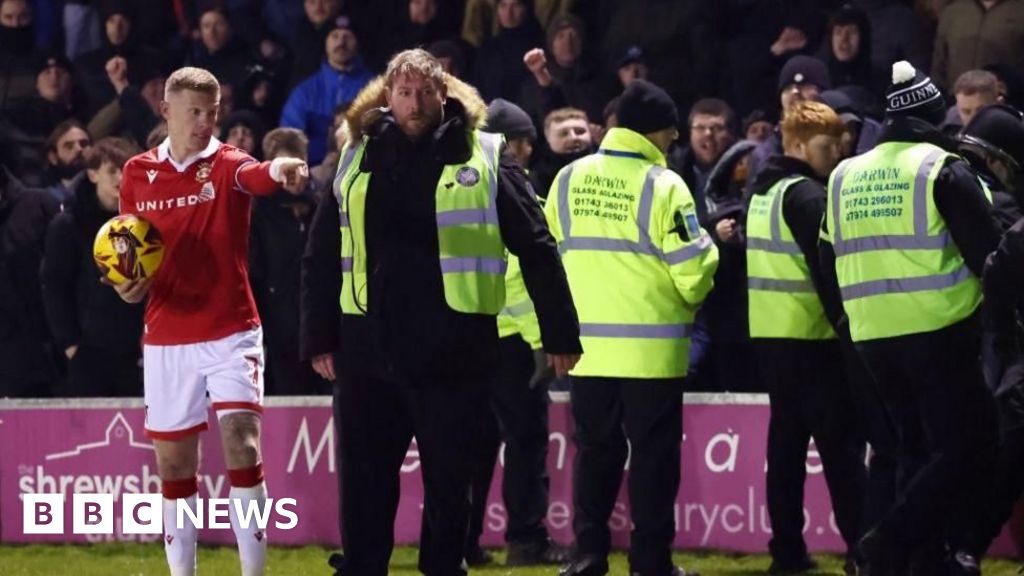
(368, 106)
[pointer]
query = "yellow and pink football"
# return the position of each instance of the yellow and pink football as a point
(127, 248)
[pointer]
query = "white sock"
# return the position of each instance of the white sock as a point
(252, 541)
(180, 543)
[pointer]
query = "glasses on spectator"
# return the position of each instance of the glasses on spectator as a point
(712, 128)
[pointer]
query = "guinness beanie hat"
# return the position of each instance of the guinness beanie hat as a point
(913, 94)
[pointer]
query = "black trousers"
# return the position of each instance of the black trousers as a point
(607, 411)
(810, 397)
(519, 417)
(377, 419)
(932, 385)
(1007, 482)
(889, 465)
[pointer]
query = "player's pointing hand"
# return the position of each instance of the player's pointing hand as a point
(292, 173)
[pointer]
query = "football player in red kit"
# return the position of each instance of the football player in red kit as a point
(203, 342)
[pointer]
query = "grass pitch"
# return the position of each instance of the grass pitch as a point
(148, 560)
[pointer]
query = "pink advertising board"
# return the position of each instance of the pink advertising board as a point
(89, 446)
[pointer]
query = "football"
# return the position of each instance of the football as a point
(127, 247)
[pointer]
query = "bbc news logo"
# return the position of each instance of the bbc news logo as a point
(143, 513)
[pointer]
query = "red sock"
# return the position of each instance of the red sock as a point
(246, 477)
(180, 488)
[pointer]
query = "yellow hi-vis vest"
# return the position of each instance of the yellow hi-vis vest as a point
(621, 220)
(518, 315)
(472, 254)
(782, 299)
(899, 271)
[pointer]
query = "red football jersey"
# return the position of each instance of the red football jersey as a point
(201, 209)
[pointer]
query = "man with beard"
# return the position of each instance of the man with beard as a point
(424, 210)
(568, 139)
(65, 155)
(310, 107)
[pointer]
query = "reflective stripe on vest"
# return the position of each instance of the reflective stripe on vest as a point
(899, 270)
(518, 316)
(919, 240)
(610, 213)
(636, 330)
(644, 246)
(472, 259)
(783, 300)
(521, 309)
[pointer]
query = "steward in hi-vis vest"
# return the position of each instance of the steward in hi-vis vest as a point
(797, 351)
(639, 266)
(518, 394)
(904, 241)
(411, 245)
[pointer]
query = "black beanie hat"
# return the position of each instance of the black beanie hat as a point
(802, 69)
(504, 117)
(913, 94)
(646, 108)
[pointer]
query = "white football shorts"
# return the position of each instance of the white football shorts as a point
(182, 381)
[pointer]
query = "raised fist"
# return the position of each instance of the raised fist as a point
(117, 72)
(537, 62)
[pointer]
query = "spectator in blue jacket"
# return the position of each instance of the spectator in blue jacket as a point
(310, 107)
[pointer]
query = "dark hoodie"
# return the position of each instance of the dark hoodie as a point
(250, 120)
(410, 333)
(91, 73)
(26, 369)
(229, 64)
(499, 71)
(546, 164)
(958, 198)
(859, 71)
(80, 310)
(270, 112)
(579, 85)
(407, 35)
(17, 67)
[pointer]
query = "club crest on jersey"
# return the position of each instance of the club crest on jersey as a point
(467, 176)
(207, 193)
(203, 172)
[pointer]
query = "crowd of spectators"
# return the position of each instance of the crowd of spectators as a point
(81, 82)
